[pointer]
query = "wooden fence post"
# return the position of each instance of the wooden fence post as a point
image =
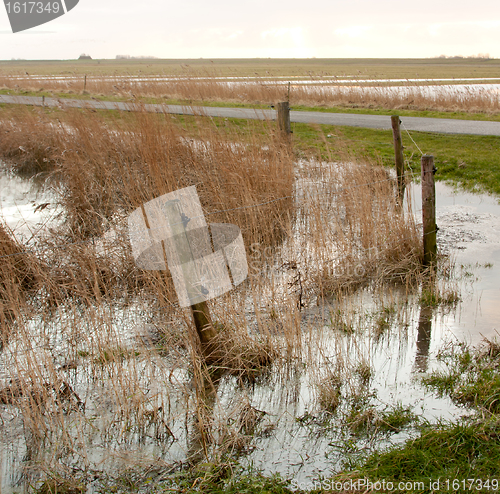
(85, 82)
(429, 209)
(200, 311)
(284, 118)
(398, 153)
(204, 327)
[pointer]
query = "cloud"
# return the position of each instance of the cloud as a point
(193, 29)
(234, 35)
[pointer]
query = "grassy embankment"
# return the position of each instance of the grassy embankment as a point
(463, 455)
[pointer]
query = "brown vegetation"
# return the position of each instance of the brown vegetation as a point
(411, 96)
(18, 275)
(99, 334)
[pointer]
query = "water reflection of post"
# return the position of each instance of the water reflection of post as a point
(425, 320)
(201, 436)
(423, 338)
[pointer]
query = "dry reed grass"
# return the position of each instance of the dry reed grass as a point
(412, 96)
(28, 143)
(353, 232)
(19, 275)
(105, 357)
(106, 168)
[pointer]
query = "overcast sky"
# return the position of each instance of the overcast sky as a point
(261, 28)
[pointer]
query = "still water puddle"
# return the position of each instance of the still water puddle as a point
(27, 206)
(284, 428)
(469, 231)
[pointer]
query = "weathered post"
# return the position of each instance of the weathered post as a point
(170, 233)
(398, 153)
(284, 118)
(201, 314)
(204, 325)
(85, 82)
(429, 209)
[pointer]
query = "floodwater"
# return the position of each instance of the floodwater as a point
(469, 231)
(26, 206)
(291, 435)
(281, 79)
(458, 87)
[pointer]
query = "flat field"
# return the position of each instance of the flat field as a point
(406, 68)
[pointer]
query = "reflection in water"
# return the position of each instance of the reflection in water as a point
(27, 205)
(423, 338)
(221, 414)
(425, 322)
(201, 437)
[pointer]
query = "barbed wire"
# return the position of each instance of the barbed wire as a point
(409, 135)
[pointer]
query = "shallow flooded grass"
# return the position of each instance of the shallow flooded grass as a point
(456, 455)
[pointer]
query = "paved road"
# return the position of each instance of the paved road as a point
(440, 125)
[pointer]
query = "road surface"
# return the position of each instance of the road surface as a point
(439, 125)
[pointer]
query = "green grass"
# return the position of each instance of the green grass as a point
(396, 418)
(365, 420)
(471, 161)
(465, 449)
(471, 378)
(224, 477)
(403, 113)
(435, 298)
